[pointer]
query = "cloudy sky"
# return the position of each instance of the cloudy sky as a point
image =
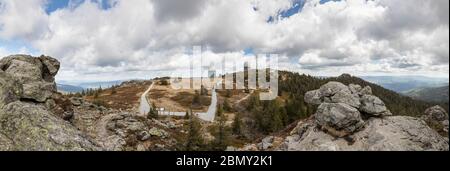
(120, 39)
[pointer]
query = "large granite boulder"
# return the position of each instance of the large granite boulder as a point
(333, 92)
(373, 105)
(437, 118)
(27, 123)
(436, 113)
(338, 124)
(332, 88)
(36, 75)
(338, 119)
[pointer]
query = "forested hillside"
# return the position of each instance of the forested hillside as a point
(276, 115)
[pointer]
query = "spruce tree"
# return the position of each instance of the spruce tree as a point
(194, 141)
(221, 135)
(153, 113)
(226, 105)
(237, 124)
(187, 116)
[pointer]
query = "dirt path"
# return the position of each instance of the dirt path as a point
(208, 116)
(144, 106)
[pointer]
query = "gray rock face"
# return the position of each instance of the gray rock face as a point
(313, 97)
(27, 105)
(35, 74)
(445, 126)
(333, 92)
(374, 106)
(395, 133)
(436, 113)
(366, 91)
(10, 90)
(332, 88)
(437, 117)
(338, 118)
(347, 98)
(143, 135)
(158, 132)
(266, 143)
(354, 88)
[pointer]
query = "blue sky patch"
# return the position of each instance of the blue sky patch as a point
(297, 6)
(54, 5)
(15, 46)
(249, 51)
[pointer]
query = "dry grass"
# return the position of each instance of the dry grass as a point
(177, 100)
(126, 97)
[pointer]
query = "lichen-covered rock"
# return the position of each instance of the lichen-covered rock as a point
(366, 91)
(436, 113)
(338, 126)
(266, 143)
(331, 88)
(437, 118)
(10, 90)
(347, 98)
(158, 132)
(31, 127)
(313, 97)
(338, 119)
(373, 105)
(355, 88)
(30, 113)
(5, 143)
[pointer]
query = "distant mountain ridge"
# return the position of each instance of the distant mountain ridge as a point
(434, 94)
(74, 87)
(63, 88)
(401, 84)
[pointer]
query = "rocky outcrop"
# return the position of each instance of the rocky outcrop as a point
(352, 95)
(437, 118)
(341, 107)
(338, 125)
(395, 133)
(341, 125)
(31, 127)
(27, 99)
(35, 74)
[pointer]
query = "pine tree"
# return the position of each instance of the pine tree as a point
(228, 93)
(153, 113)
(219, 112)
(96, 94)
(237, 124)
(196, 100)
(113, 90)
(226, 105)
(187, 116)
(203, 91)
(194, 141)
(221, 135)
